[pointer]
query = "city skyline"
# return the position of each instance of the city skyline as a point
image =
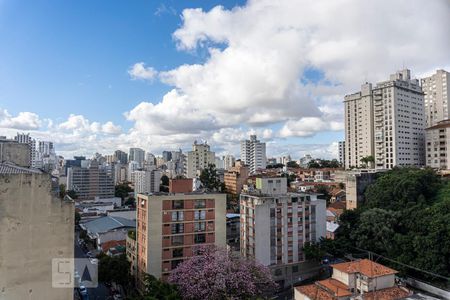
(128, 91)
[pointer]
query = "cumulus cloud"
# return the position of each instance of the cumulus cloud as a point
(23, 121)
(259, 53)
(139, 71)
(255, 74)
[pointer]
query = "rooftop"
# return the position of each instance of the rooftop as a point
(108, 223)
(338, 288)
(332, 226)
(314, 292)
(391, 293)
(365, 267)
(10, 168)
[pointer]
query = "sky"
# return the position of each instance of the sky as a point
(96, 76)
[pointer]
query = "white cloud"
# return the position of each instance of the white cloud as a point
(139, 71)
(259, 52)
(252, 76)
(23, 121)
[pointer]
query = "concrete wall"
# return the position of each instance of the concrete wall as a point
(35, 227)
(16, 153)
(378, 283)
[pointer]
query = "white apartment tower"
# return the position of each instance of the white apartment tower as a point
(146, 181)
(386, 122)
(198, 159)
(341, 149)
(436, 88)
(276, 224)
(253, 154)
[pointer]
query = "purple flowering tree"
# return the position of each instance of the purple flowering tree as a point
(214, 273)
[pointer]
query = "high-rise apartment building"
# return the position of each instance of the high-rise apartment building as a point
(276, 224)
(386, 122)
(198, 159)
(91, 181)
(436, 88)
(146, 181)
(138, 155)
(121, 156)
(36, 227)
(341, 150)
(167, 155)
(169, 226)
(253, 154)
(438, 145)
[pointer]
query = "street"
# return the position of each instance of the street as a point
(99, 293)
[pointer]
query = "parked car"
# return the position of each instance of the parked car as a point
(83, 290)
(94, 261)
(89, 254)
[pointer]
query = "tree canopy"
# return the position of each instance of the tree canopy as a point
(114, 269)
(122, 190)
(405, 218)
(215, 273)
(323, 163)
(210, 179)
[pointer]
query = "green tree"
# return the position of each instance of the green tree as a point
(159, 290)
(122, 190)
(62, 190)
(292, 164)
(210, 179)
(114, 269)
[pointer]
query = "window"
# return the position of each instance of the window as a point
(200, 215)
(177, 252)
(175, 263)
(177, 204)
(177, 228)
(177, 240)
(200, 238)
(177, 216)
(200, 203)
(200, 226)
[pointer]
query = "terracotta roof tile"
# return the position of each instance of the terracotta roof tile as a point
(365, 267)
(313, 292)
(110, 244)
(392, 293)
(337, 205)
(338, 288)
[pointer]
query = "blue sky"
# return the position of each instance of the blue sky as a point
(63, 57)
(214, 70)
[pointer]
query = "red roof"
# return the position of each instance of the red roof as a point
(111, 244)
(392, 293)
(365, 267)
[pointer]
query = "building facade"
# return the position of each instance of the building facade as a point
(146, 181)
(436, 88)
(253, 154)
(275, 225)
(90, 181)
(386, 122)
(169, 226)
(438, 145)
(23, 138)
(235, 178)
(36, 226)
(121, 157)
(198, 159)
(341, 149)
(138, 155)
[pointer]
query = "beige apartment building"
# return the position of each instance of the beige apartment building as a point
(276, 224)
(35, 227)
(198, 159)
(436, 88)
(169, 226)
(236, 177)
(387, 122)
(438, 145)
